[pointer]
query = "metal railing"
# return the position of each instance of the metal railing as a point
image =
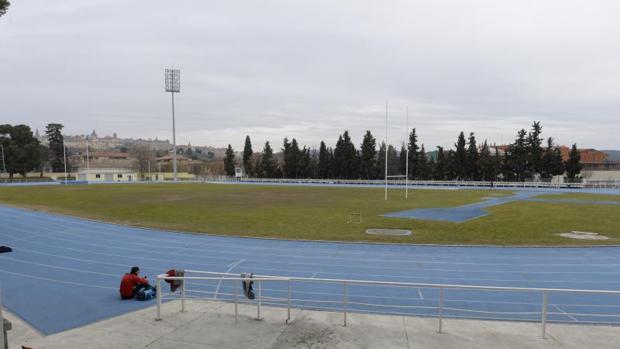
(346, 284)
(398, 182)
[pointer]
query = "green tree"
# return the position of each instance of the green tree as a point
(515, 161)
(440, 165)
(393, 161)
(487, 164)
(551, 161)
(573, 164)
(451, 166)
(460, 158)
(413, 154)
(473, 159)
(293, 166)
(56, 144)
(535, 150)
(368, 156)
(247, 156)
(4, 6)
(345, 158)
(295, 156)
(22, 152)
(380, 164)
(229, 161)
(423, 169)
(268, 167)
(497, 162)
(402, 158)
(324, 161)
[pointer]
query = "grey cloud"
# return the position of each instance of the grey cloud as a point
(311, 69)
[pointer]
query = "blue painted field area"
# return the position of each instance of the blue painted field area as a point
(64, 272)
(477, 210)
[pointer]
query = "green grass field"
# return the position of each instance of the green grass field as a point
(320, 213)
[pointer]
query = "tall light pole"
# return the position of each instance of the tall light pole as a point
(87, 157)
(173, 85)
(64, 155)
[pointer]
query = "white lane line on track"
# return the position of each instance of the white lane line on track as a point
(58, 267)
(113, 255)
(365, 275)
(231, 267)
(362, 296)
(268, 248)
(420, 293)
(55, 280)
(158, 269)
(602, 264)
(391, 268)
(314, 275)
(565, 313)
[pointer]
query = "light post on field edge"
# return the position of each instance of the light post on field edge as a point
(64, 155)
(173, 85)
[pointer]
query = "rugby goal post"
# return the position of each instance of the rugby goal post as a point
(394, 176)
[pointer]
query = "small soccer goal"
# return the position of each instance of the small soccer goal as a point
(355, 217)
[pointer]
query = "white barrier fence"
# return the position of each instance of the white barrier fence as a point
(401, 182)
(440, 308)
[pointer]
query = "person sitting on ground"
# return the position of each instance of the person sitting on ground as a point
(132, 283)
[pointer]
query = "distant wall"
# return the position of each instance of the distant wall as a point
(601, 175)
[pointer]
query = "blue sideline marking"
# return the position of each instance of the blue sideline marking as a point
(462, 213)
(64, 272)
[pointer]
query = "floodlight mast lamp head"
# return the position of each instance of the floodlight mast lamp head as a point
(173, 80)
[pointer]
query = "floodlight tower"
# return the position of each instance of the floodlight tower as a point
(173, 85)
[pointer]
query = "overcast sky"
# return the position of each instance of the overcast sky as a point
(312, 69)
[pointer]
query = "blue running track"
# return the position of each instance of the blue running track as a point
(64, 272)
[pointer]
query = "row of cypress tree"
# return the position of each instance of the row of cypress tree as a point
(526, 158)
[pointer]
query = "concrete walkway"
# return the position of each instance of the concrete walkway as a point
(212, 325)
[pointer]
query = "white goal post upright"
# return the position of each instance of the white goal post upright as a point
(407, 156)
(386, 149)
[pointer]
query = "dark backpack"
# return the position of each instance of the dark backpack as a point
(5, 249)
(146, 294)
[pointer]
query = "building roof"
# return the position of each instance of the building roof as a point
(107, 170)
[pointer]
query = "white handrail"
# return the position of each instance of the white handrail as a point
(221, 276)
(422, 285)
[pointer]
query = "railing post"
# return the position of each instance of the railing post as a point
(288, 310)
(346, 301)
(259, 300)
(158, 318)
(236, 303)
(441, 300)
(183, 295)
(544, 315)
(2, 338)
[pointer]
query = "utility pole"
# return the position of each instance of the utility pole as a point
(64, 155)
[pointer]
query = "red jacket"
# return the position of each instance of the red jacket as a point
(129, 282)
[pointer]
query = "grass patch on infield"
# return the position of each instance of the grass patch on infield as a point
(319, 213)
